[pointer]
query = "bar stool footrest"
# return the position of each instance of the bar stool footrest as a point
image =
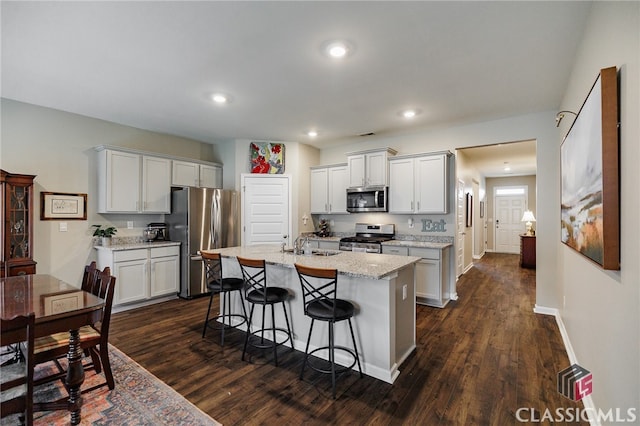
(268, 331)
(215, 324)
(339, 368)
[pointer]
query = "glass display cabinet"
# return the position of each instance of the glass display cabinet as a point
(16, 213)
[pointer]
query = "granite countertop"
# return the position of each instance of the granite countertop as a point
(136, 245)
(417, 244)
(365, 265)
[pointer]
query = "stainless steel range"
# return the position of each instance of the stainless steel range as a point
(368, 238)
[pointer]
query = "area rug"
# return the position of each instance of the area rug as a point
(139, 398)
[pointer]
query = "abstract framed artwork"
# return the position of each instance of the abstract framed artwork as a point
(59, 205)
(267, 157)
(590, 204)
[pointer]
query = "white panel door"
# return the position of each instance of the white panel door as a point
(508, 212)
(265, 209)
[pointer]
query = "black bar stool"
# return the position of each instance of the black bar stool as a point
(222, 286)
(258, 293)
(319, 289)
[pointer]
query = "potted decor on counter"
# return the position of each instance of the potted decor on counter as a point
(105, 234)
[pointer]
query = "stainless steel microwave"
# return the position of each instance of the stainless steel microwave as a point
(367, 199)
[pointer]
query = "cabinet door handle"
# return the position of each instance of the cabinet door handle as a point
(412, 205)
(329, 207)
(418, 205)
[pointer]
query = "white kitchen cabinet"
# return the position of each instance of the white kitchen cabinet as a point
(142, 274)
(156, 185)
(210, 176)
(431, 273)
(369, 168)
(165, 271)
(130, 269)
(133, 183)
(329, 189)
(419, 184)
(432, 276)
(187, 173)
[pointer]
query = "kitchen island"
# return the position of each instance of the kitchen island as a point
(380, 286)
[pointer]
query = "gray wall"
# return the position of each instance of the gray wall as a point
(58, 148)
(601, 309)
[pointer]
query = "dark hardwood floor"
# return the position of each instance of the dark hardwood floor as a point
(477, 362)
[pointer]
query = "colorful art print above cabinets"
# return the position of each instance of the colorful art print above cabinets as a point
(267, 157)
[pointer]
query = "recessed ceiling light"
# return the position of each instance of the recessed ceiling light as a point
(312, 133)
(219, 98)
(337, 49)
(409, 113)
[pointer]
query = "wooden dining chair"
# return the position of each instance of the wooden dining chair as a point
(16, 379)
(93, 338)
(90, 275)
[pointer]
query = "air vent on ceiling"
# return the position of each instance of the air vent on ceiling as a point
(367, 134)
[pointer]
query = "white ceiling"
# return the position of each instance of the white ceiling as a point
(153, 65)
(493, 160)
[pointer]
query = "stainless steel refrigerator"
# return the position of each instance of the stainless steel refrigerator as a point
(201, 218)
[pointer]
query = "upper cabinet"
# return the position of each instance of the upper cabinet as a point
(329, 189)
(16, 224)
(187, 173)
(369, 168)
(419, 184)
(133, 183)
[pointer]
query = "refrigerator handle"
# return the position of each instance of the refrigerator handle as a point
(215, 207)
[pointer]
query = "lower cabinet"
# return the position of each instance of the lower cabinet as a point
(431, 274)
(142, 274)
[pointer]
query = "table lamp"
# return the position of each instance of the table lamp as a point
(528, 217)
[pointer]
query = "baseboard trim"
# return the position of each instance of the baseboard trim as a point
(573, 359)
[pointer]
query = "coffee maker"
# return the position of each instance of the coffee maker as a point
(156, 231)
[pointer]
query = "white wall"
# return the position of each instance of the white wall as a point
(602, 309)
(58, 148)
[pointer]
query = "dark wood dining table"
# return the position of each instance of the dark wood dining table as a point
(58, 307)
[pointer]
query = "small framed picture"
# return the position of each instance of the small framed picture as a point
(60, 303)
(58, 205)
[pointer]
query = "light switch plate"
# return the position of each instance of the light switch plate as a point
(62, 227)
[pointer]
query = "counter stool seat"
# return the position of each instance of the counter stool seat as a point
(216, 284)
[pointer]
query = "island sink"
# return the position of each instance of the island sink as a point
(316, 252)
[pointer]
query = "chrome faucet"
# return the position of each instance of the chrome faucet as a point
(299, 243)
